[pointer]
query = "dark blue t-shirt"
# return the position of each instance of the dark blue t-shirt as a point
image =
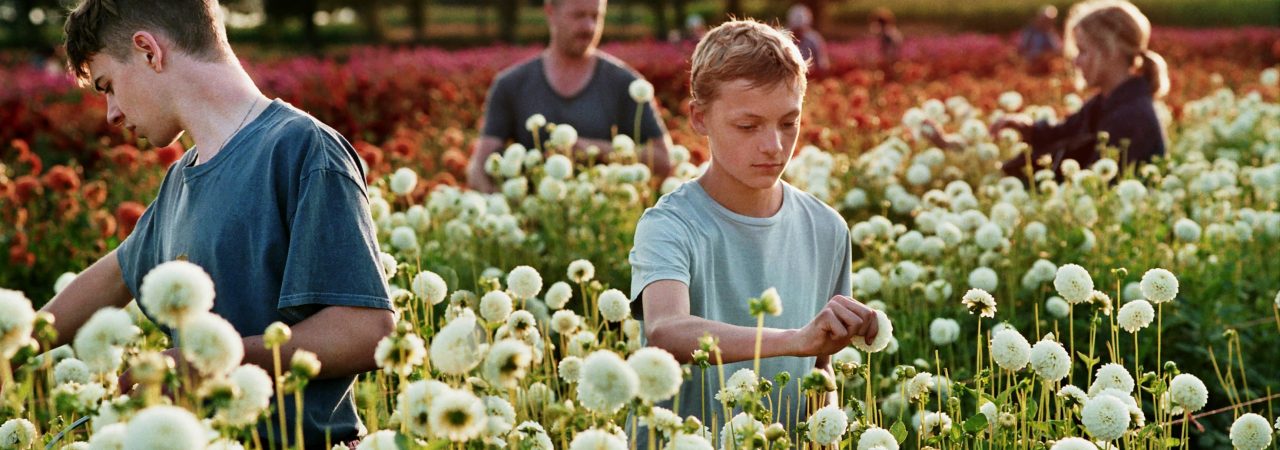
(280, 220)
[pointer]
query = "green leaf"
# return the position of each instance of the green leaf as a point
(976, 423)
(899, 431)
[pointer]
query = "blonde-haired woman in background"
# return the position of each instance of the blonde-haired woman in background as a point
(1107, 42)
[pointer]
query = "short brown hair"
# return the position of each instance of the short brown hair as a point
(748, 50)
(108, 25)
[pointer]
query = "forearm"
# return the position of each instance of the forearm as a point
(342, 349)
(99, 286)
(680, 335)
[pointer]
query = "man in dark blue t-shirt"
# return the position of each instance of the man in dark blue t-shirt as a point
(571, 82)
(270, 202)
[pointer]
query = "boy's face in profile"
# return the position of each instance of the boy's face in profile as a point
(751, 130)
(133, 88)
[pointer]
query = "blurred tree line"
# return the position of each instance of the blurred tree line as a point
(33, 22)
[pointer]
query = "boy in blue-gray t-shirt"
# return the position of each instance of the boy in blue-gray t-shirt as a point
(270, 202)
(738, 230)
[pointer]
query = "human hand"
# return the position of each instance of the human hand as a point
(479, 181)
(932, 131)
(840, 321)
(1018, 122)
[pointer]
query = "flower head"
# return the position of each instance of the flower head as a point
(944, 331)
(495, 306)
(1050, 360)
(614, 305)
(16, 321)
(1188, 392)
(1074, 443)
(211, 344)
(175, 291)
(1105, 417)
(658, 373)
(884, 335)
(18, 434)
(559, 294)
(581, 271)
(429, 287)
(525, 282)
(403, 181)
(507, 363)
(457, 415)
(455, 349)
(1112, 376)
(877, 438)
(595, 439)
(1135, 315)
(254, 388)
(978, 300)
(400, 354)
(535, 122)
(1073, 283)
(1010, 350)
(1251, 432)
(165, 427)
(606, 382)
(1159, 285)
(827, 425)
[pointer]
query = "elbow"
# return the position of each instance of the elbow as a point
(662, 335)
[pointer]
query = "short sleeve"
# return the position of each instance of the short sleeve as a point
(136, 254)
(499, 120)
(844, 278)
(333, 252)
(661, 251)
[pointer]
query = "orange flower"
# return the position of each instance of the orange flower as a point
(371, 154)
(95, 194)
(125, 156)
(167, 155)
(68, 207)
(455, 161)
(27, 187)
(127, 215)
(6, 188)
(103, 221)
(62, 179)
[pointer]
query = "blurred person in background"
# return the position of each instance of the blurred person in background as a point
(888, 38)
(1107, 41)
(571, 82)
(1038, 43)
(812, 46)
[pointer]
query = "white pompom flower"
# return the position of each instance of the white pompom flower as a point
(641, 91)
(884, 334)
(18, 434)
(1135, 315)
(1010, 350)
(495, 306)
(100, 341)
(430, 287)
(403, 181)
(253, 396)
(175, 291)
(1159, 285)
(1074, 443)
(980, 301)
(581, 271)
(211, 344)
(595, 439)
(614, 305)
(1105, 417)
(525, 282)
(658, 373)
(1112, 376)
(457, 415)
(1187, 391)
(1049, 360)
(827, 425)
(606, 382)
(1073, 283)
(558, 295)
(165, 427)
(876, 438)
(1250, 432)
(17, 319)
(455, 349)
(944, 331)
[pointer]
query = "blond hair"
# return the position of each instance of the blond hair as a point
(745, 50)
(1118, 26)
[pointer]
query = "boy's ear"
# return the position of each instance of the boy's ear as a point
(148, 47)
(698, 117)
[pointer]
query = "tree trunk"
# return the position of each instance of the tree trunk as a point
(508, 20)
(418, 17)
(660, 25)
(731, 8)
(370, 12)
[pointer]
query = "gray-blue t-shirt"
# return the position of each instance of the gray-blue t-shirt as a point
(602, 106)
(280, 220)
(726, 258)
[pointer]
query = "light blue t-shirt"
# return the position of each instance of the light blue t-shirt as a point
(727, 258)
(280, 220)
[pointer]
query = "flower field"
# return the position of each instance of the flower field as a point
(1115, 309)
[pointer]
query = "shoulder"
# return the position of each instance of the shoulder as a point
(675, 211)
(520, 71)
(309, 144)
(616, 67)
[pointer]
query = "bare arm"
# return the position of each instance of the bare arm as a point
(342, 337)
(477, 179)
(670, 326)
(99, 286)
